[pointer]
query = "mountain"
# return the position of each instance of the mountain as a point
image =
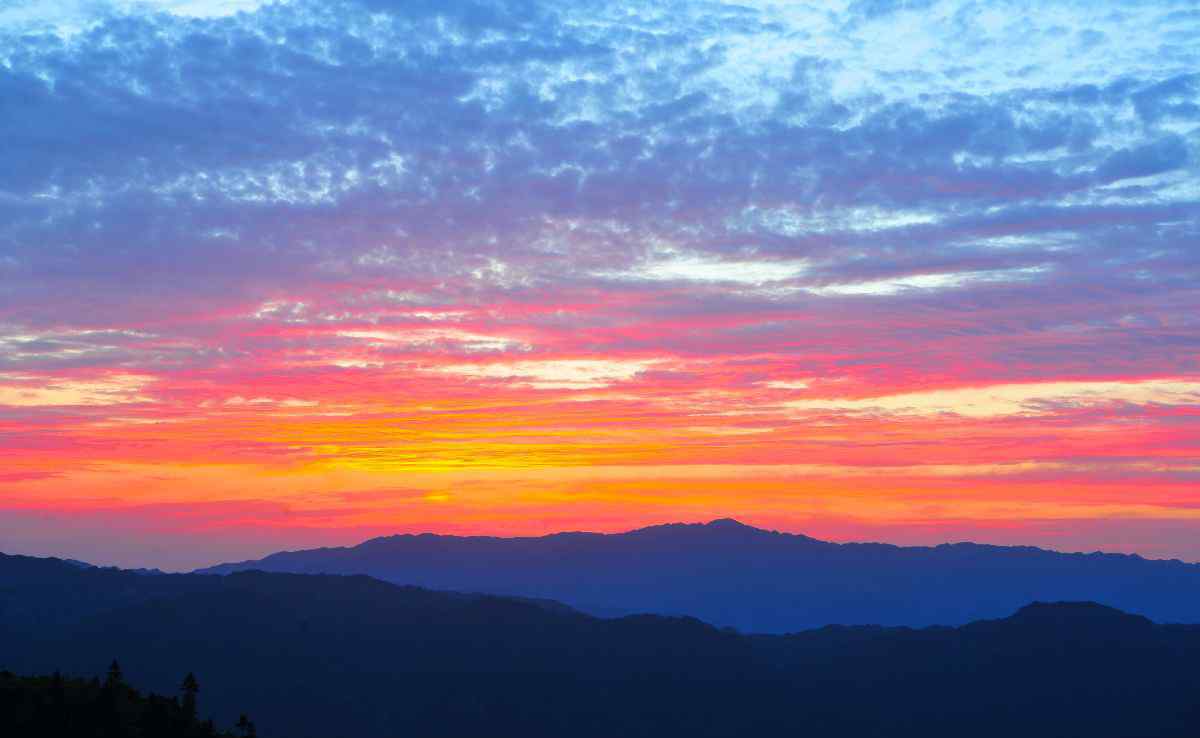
(319, 656)
(755, 580)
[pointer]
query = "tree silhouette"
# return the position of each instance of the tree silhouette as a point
(63, 707)
(109, 703)
(115, 678)
(246, 727)
(156, 718)
(189, 687)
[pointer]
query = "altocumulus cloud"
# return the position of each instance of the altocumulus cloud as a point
(315, 142)
(732, 221)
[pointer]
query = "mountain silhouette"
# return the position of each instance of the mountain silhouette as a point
(731, 574)
(321, 656)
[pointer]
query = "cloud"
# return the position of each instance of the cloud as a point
(680, 215)
(555, 373)
(691, 268)
(34, 391)
(918, 282)
(1013, 399)
(287, 402)
(432, 337)
(788, 384)
(1149, 159)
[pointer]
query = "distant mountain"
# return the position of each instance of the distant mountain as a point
(755, 580)
(86, 565)
(41, 594)
(316, 656)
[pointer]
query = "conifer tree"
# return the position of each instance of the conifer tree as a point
(189, 687)
(110, 701)
(115, 678)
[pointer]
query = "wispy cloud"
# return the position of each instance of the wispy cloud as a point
(320, 238)
(555, 373)
(42, 391)
(1012, 399)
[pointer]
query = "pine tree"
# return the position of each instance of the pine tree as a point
(115, 679)
(190, 687)
(110, 701)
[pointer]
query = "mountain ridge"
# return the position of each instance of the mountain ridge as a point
(718, 523)
(757, 580)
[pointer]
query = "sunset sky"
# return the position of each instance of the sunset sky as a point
(296, 274)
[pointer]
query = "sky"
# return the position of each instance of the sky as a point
(281, 275)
